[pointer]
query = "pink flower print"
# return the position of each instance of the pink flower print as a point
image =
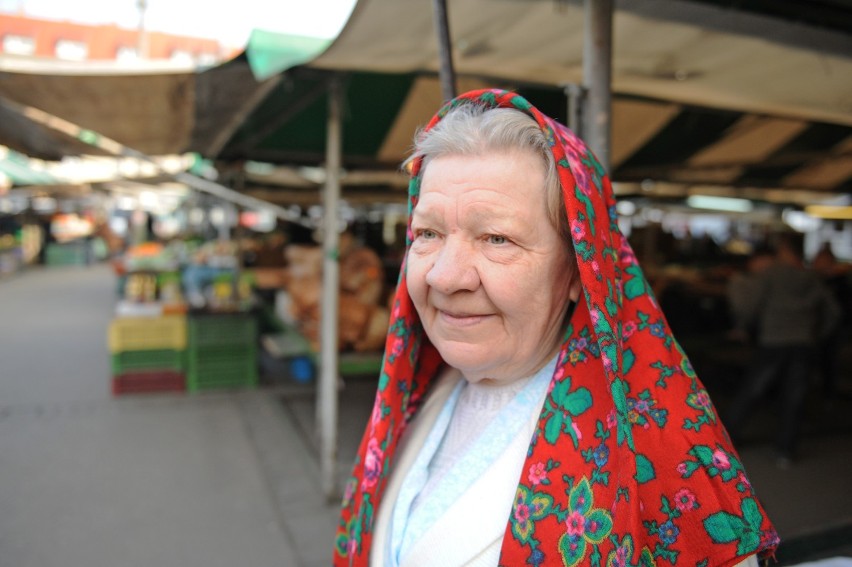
(681, 468)
(576, 430)
(349, 491)
(372, 465)
(575, 160)
(744, 480)
(537, 473)
(594, 314)
(576, 524)
(768, 538)
(628, 329)
(606, 361)
(351, 547)
(611, 420)
(376, 415)
(626, 253)
(699, 400)
(685, 500)
(596, 268)
(522, 513)
(578, 229)
(720, 460)
(583, 181)
(621, 556)
(572, 154)
(396, 350)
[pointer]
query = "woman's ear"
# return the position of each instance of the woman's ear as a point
(574, 285)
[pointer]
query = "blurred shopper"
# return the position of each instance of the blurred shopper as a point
(836, 280)
(792, 312)
(211, 260)
(270, 253)
(742, 293)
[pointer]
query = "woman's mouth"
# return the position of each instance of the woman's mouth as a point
(460, 319)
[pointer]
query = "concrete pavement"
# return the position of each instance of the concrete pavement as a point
(90, 480)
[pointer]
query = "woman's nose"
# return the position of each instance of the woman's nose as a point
(454, 268)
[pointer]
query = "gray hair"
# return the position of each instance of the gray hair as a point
(473, 129)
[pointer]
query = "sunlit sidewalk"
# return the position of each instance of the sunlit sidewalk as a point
(90, 480)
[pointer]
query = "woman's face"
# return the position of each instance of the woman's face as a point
(487, 272)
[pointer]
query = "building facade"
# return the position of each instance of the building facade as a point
(24, 36)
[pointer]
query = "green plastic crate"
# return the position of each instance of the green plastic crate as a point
(222, 330)
(360, 364)
(71, 254)
(156, 359)
(221, 367)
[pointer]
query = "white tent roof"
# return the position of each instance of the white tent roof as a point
(678, 51)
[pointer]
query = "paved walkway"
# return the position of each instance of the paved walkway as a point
(89, 480)
(226, 479)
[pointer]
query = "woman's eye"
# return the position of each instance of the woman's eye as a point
(427, 234)
(497, 239)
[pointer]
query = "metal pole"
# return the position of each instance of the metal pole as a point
(114, 148)
(445, 50)
(142, 39)
(327, 386)
(597, 76)
(575, 95)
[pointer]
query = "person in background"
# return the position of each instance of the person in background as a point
(212, 259)
(533, 407)
(792, 312)
(270, 254)
(741, 292)
(836, 279)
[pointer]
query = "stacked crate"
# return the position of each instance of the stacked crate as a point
(66, 254)
(148, 354)
(222, 351)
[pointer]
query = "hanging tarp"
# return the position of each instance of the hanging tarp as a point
(691, 53)
(651, 139)
(17, 170)
(720, 107)
(269, 53)
(703, 94)
(157, 110)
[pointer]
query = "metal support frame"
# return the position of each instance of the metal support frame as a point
(445, 50)
(328, 378)
(597, 77)
(111, 147)
(576, 96)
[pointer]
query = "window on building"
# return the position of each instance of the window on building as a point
(71, 50)
(182, 56)
(18, 45)
(126, 53)
(207, 59)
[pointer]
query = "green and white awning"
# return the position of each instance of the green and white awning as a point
(17, 170)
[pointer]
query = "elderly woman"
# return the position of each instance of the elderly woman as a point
(533, 408)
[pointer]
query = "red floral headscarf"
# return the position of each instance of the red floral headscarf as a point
(629, 464)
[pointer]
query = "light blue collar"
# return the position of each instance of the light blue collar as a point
(408, 526)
